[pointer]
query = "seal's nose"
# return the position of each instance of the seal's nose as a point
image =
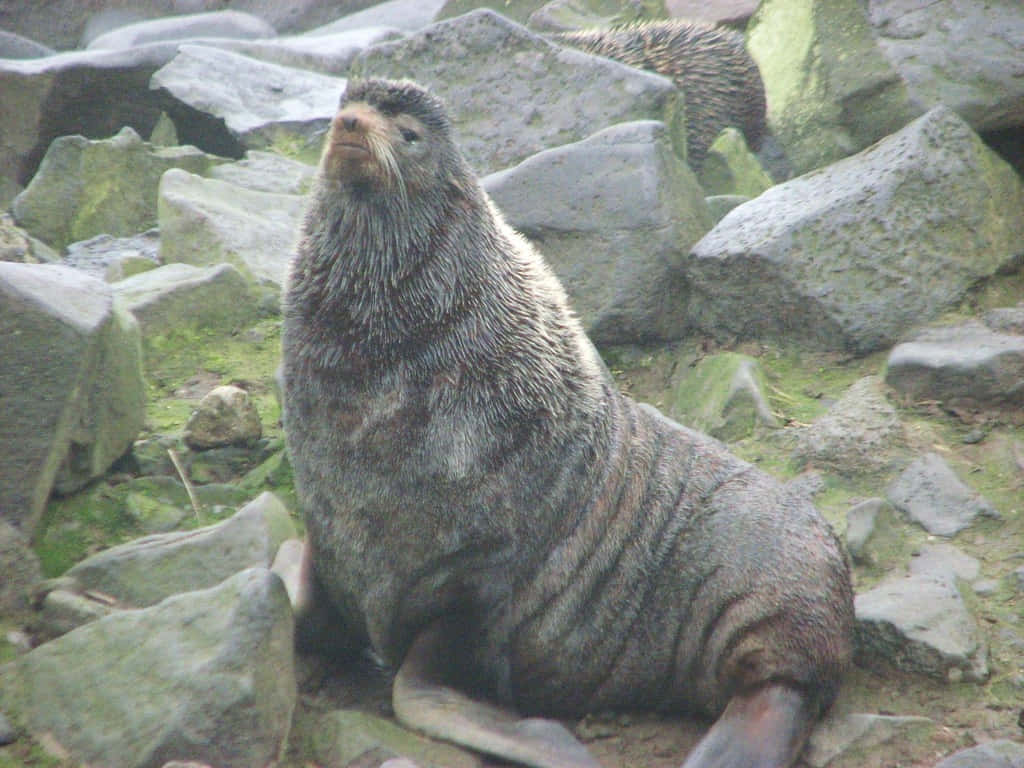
(348, 122)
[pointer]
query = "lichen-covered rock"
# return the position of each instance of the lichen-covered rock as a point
(208, 221)
(1001, 753)
(929, 493)
(723, 396)
(226, 416)
(205, 676)
(350, 737)
(92, 93)
(965, 367)
(548, 96)
(854, 255)
(71, 378)
(830, 90)
(226, 103)
(267, 172)
(614, 215)
(85, 188)
(851, 737)
(730, 168)
(858, 435)
(178, 296)
(147, 570)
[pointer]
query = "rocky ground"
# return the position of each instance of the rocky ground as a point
(844, 308)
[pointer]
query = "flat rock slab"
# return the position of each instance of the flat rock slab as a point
(267, 172)
(232, 24)
(225, 102)
(613, 215)
(205, 676)
(147, 570)
(179, 296)
(207, 221)
(74, 396)
(512, 93)
(920, 624)
(854, 255)
(930, 493)
(965, 367)
(407, 15)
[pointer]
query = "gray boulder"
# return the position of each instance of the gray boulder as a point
(179, 296)
(966, 367)
(1001, 753)
(858, 435)
(20, 567)
(85, 188)
(226, 103)
(115, 258)
(407, 15)
(14, 46)
(967, 55)
(65, 24)
(207, 221)
(71, 374)
(853, 736)
(205, 676)
(614, 215)
(920, 624)
(92, 93)
(231, 24)
(1006, 319)
(316, 50)
(830, 91)
(929, 493)
(548, 97)
(852, 256)
(145, 571)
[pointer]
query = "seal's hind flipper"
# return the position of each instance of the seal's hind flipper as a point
(422, 702)
(765, 728)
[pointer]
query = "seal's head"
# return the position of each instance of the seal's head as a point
(390, 137)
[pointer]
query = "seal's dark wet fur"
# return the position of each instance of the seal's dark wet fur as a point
(462, 455)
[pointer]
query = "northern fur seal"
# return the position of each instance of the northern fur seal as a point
(708, 63)
(489, 512)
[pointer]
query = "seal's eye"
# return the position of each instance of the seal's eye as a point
(409, 135)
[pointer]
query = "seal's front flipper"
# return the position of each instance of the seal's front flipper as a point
(421, 701)
(765, 728)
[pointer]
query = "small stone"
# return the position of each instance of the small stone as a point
(985, 587)
(1001, 753)
(860, 525)
(929, 493)
(1018, 579)
(226, 416)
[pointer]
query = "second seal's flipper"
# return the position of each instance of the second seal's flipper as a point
(421, 701)
(765, 728)
(318, 626)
